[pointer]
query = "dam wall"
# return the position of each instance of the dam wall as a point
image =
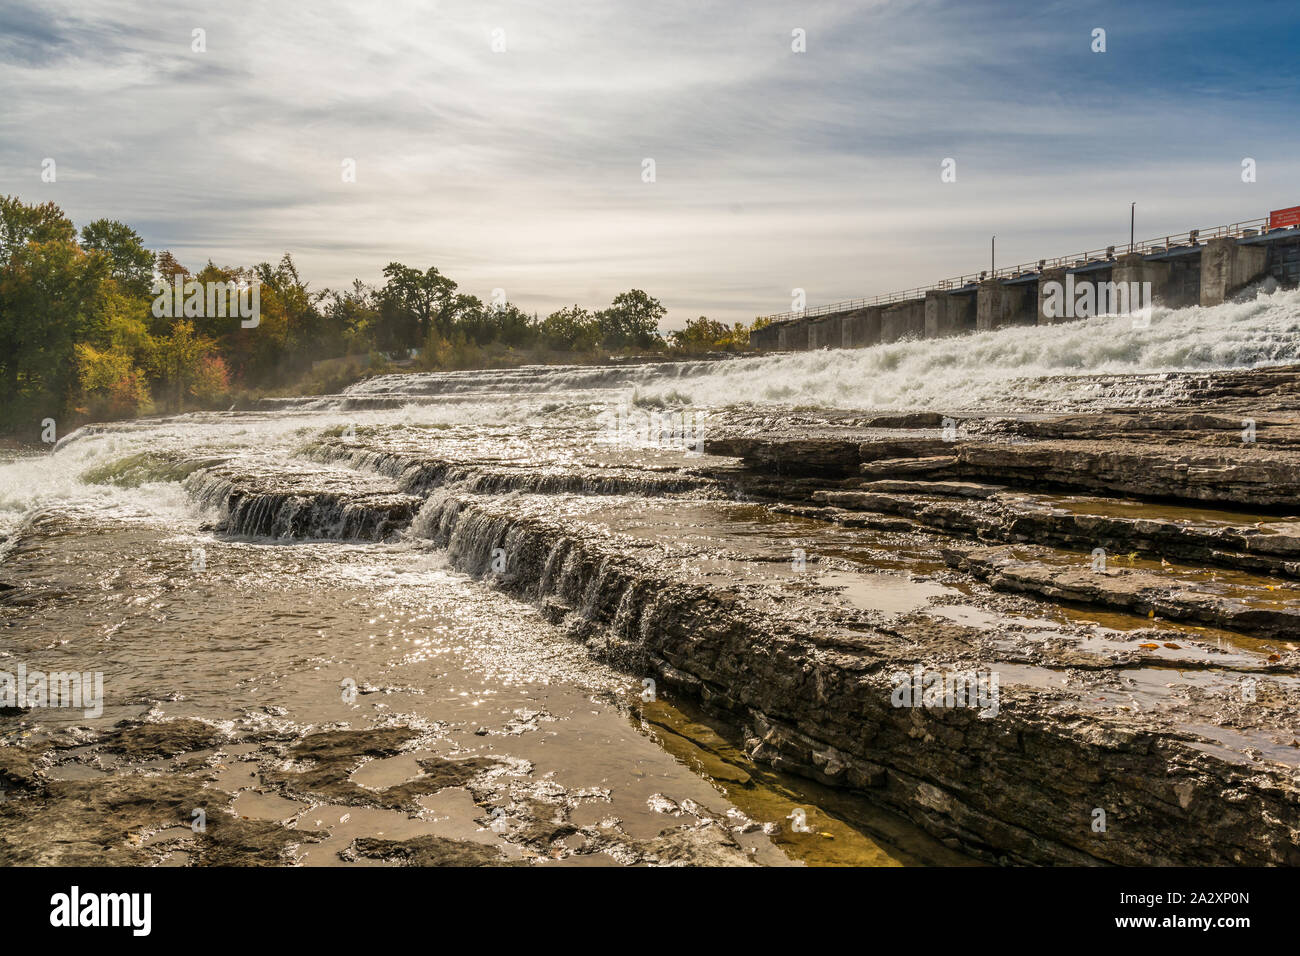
(792, 336)
(949, 313)
(999, 304)
(861, 328)
(1226, 266)
(826, 332)
(905, 320)
(1194, 268)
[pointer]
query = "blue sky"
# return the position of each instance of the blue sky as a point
(775, 170)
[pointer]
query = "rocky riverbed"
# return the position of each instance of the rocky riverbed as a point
(568, 645)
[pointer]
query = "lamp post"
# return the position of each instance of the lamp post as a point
(993, 248)
(1132, 217)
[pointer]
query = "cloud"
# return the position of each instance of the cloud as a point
(522, 169)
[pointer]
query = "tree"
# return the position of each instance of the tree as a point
(130, 263)
(631, 321)
(572, 329)
(416, 302)
(352, 318)
(701, 335)
(179, 360)
(292, 329)
(77, 328)
(211, 380)
(111, 379)
(512, 326)
(21, 224)
(168, 267)
(466, 314)
(110, 384)
(49, 292)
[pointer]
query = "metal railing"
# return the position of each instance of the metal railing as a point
(1193, 237)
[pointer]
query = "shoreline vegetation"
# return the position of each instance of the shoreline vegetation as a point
(82, 341)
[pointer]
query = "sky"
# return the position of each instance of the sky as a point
(507, 143)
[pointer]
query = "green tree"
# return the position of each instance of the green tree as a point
(631, 321)
(110, 383)
(701, 335)
(49, 293)
(179, 360)
(352, 318)
(130, 263)
(21, 224)
(302, 319)
(415, 302)
(571, 329)
(111, 377)
(512, 326)
(168, 267)
(467, 315)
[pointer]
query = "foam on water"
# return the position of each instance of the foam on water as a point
(1005, 370)
(33, 482)
(1014, 368)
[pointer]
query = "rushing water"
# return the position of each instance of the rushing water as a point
(116, 540)
(1010, 369)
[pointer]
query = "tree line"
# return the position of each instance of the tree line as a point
(81, 337)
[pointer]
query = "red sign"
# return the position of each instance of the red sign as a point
(1284, 218)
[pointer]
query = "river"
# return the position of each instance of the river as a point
(287, 571)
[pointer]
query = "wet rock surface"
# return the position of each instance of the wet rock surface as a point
(112, 799)
(812, 676)
(1129, 589)
(483, 732)
(1106, 600)
(136, 817)
(426, 851)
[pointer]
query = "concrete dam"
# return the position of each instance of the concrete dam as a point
(1199, 267)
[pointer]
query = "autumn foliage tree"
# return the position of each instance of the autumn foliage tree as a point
(83, 333)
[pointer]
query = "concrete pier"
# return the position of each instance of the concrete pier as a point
(948, 313)
(793, 336)
(861, 329)
(766, 338)
(999, 304)
(1183, 288)
(1226, 266)
(1134, 267)
(1045, 280)
(904, 320)
(826, 332)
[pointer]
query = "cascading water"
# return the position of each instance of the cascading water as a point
(238, 566)
(1108, 360)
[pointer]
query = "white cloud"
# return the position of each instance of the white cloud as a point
(522, 169)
